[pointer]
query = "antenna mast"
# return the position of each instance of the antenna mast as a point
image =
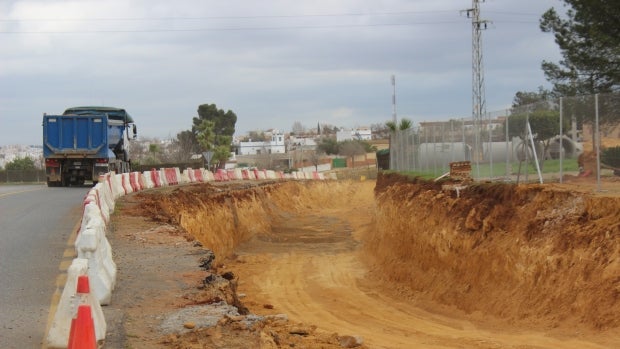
(394, 99)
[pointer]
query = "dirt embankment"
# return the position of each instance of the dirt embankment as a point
(408, 265)
(529, 254)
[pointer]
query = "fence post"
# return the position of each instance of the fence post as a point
(597, 140)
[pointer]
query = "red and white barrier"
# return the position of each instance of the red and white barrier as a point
(95, 253)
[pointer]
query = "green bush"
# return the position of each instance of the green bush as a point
(611, 157)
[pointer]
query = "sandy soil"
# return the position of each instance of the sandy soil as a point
(394, 265)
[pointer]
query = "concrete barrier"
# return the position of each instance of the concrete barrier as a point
(198, 175)
(155, 178)
(260, 174)
(135, 181)
(126, 183)
(92, 244)
(58, 335)
(162, 177)
(189, 172)
(208, 176)
(94, 250)
(146, 180)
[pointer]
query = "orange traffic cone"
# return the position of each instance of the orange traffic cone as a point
(83, 285)
(82, 334)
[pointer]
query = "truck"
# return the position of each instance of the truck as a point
(86, 142)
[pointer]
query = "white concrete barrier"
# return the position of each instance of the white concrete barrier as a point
(126, 183)
(117, 186)
(58, 335)
(189, 172)
(146, 180)
(177, 172)
(162, 177)
(208, 176)
(94, 250)
(92, 244)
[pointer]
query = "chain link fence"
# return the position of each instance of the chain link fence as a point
(521, 143)
(22, 176)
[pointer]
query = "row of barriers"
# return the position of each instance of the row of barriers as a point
(94, 253)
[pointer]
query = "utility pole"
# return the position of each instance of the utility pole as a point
(394, 99)
(478, 93)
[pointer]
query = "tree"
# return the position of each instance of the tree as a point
(350, 148)
(545, 125)
(328, 145)
(20, 164)
(298, 128)
(380, 131)
(256, 136)
(214, 129)
(186, 145)
(589, 40)
(404, 124)
(525, 98)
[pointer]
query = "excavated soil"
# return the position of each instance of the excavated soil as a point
(400, 263)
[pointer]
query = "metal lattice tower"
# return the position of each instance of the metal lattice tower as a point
(478, 93)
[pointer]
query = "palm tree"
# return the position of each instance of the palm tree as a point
(404, 124)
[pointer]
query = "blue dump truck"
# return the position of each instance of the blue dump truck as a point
(85, 142)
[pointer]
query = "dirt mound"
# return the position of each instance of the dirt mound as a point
(523, 253)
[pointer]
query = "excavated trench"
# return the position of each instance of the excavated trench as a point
(404, 262)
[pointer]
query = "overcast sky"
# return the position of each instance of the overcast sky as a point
(271, 62)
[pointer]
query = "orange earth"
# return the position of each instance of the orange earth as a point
(396, 263)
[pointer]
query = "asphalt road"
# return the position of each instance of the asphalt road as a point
(35, 225)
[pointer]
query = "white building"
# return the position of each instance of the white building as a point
(360, 133)
(301, 143)
(275, 146)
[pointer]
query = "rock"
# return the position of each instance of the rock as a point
(205, 262)
(350, 341)
(229, 275)
(189, 325)
(267, 341)
(300, 330)
(277, 317)
(236, 317)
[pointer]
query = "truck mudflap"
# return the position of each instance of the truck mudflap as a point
(53, 172)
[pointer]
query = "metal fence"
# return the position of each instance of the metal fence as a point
(22, 176)
(517, 144)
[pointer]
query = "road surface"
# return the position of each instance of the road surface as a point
(35, 224)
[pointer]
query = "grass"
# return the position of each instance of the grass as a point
(499, 169)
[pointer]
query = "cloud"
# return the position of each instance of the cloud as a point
(271, 62)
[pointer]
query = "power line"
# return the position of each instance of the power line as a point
(331, 26)
(396, 13)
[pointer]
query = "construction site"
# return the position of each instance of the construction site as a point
(398, 262)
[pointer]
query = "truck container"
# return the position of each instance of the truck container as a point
(86, 142)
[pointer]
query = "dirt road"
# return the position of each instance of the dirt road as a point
(304, 251)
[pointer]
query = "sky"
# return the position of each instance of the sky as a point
(272, 62)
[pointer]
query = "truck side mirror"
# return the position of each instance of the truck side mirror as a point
(135, 131)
